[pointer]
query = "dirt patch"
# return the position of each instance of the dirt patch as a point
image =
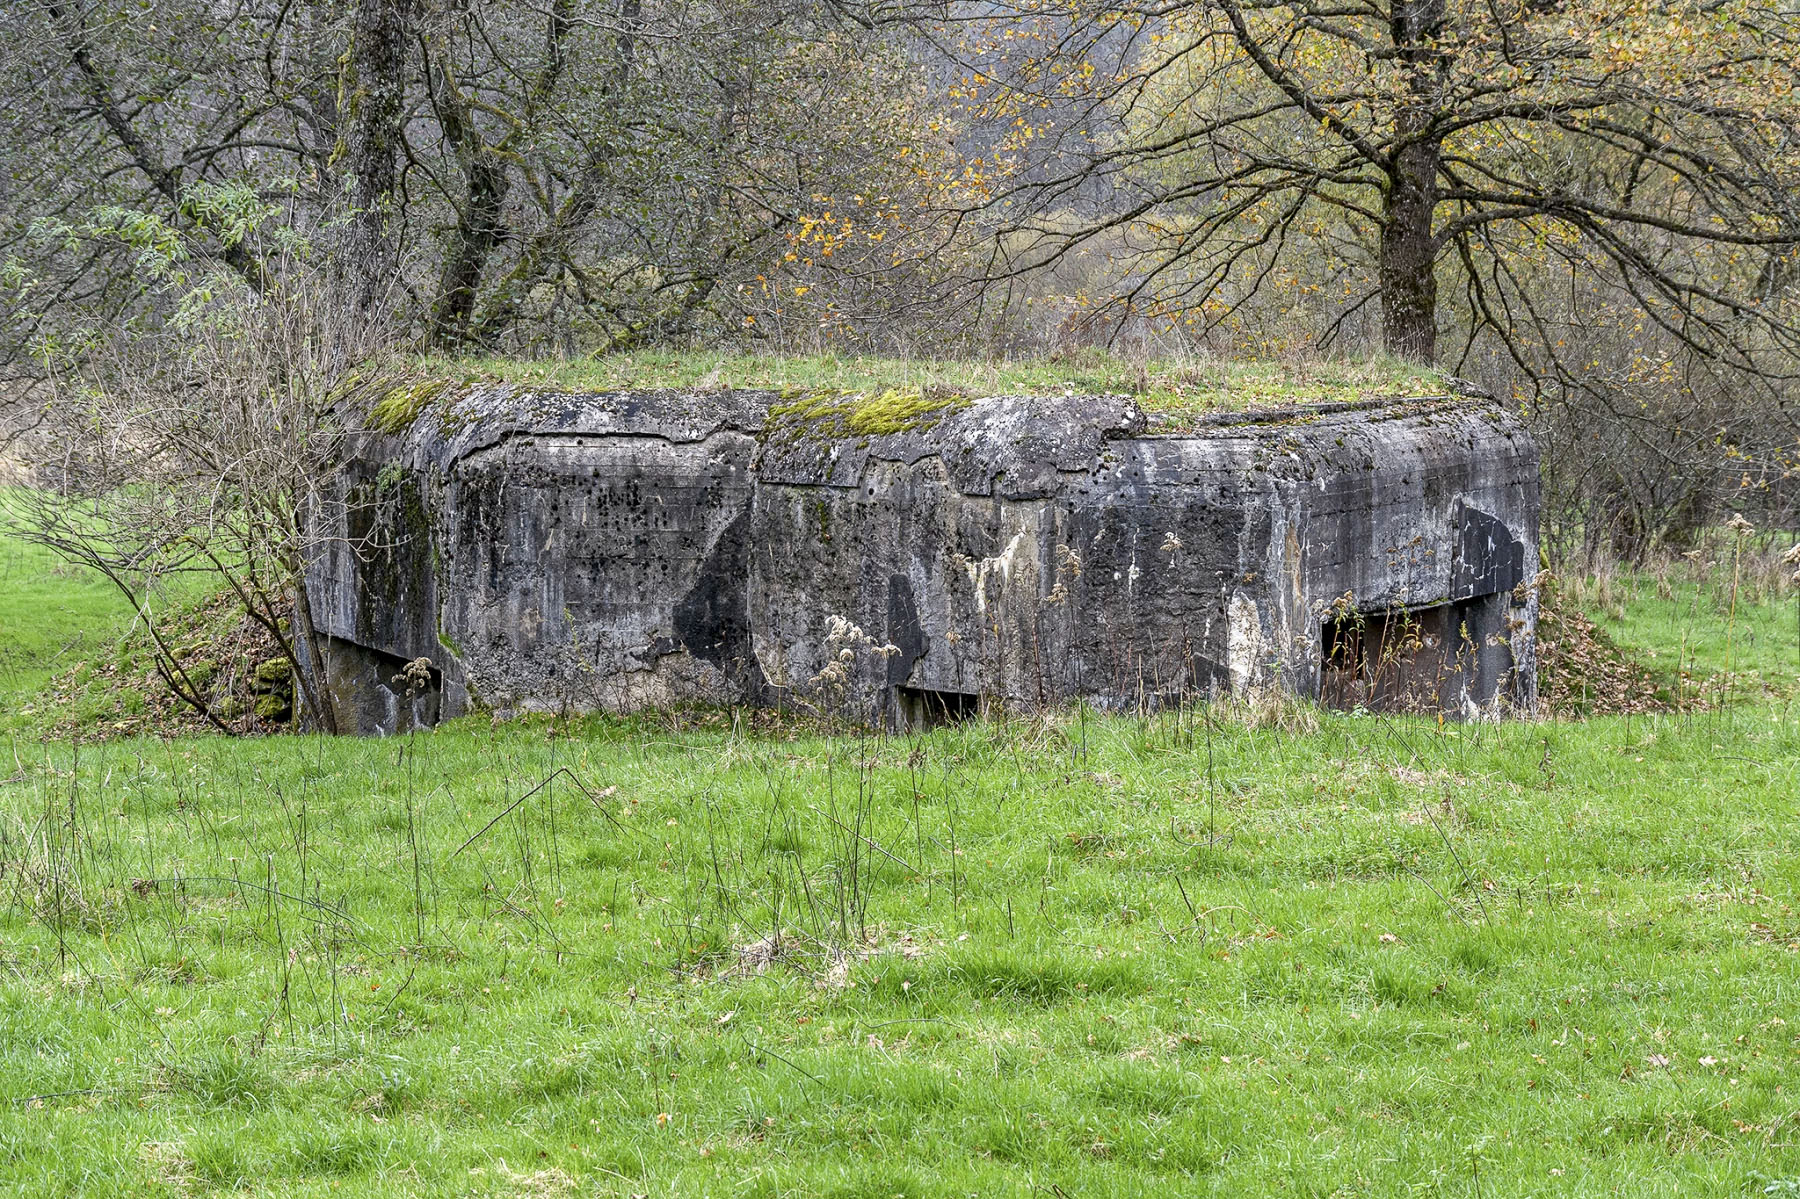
(223, 653)
(828, 965)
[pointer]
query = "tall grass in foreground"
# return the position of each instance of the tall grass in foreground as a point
(1222, 950)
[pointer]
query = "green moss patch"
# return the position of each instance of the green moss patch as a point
(396, 411)
(839, 414)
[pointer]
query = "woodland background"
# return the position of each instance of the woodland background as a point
(1587, 209)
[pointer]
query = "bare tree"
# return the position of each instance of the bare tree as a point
(1400, 151)
(203, 441)
(508, 175)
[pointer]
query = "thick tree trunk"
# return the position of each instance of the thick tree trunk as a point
(478, 231)
(478, 220)
(375, 104)
(1408, 256)
(1408, 247)
(541, 253)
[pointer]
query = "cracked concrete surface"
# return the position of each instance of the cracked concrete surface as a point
(552, 551)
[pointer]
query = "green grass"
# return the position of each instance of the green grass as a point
(1693, 624)
(1294, 953)
(67, 636)
(52, 617)
(1167, 386)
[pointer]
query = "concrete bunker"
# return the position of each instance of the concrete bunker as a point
(909, 560)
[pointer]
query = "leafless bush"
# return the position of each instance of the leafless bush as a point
(199, 445)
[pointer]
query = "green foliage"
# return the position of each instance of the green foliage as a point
(235, 213)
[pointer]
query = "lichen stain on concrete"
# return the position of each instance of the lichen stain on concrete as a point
(562, 551)
(981, 570)
(1246, 647)
(1292, 563)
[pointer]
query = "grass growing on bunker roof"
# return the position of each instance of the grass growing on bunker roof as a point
(1174, 386)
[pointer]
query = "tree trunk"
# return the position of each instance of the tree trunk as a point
(315, 690)
(478, 220)
(480, 224)
(1408, 256)
(478, 230)
(1408, 248)
(375, 103)
(541, 253)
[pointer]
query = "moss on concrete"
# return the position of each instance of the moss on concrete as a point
(396, 411)
(832, 414)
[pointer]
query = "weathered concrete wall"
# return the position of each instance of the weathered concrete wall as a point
(1032, 549)
(644, 549)
(548, 552)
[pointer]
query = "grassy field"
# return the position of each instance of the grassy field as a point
(1222, 952)
(52, 617)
